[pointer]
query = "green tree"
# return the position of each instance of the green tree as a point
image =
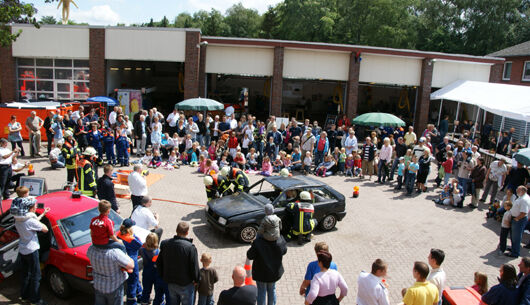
(183, 20)
(164, 23)
(48, 20)
(17, 12)
(387, 23)
(211, 23)
(151, 23)
(270, 23)
(243, 22)
(307, 20)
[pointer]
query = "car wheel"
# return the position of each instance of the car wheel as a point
(58, 283)
(328, 222)
(248, 233)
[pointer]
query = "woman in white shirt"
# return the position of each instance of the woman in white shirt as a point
(324, 283)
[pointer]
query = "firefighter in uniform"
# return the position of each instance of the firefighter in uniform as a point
(108, 144)
(237, 177)
(94, 159)
(86, 180)
(122, 146)
(301, 213)
(216, 186)
(70, 153)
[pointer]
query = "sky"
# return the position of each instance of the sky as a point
(111, 12)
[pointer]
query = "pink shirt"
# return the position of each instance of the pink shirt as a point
(385, 153)
(266, 167)
(325, 283)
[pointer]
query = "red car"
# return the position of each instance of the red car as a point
(63, 249)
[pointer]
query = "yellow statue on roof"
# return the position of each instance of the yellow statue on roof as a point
(66, 9)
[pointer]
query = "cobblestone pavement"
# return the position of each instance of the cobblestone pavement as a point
(380, 224)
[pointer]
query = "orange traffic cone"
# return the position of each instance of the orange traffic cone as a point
(248, 278)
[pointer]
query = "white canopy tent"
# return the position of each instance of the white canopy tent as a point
(509, 101)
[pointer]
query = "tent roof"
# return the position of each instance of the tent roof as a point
(505, 100)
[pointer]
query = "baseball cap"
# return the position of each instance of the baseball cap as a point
(127, 223)
(20, 206)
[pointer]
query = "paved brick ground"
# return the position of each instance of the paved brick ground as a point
(380, 224)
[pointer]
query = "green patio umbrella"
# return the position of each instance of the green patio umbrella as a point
(523, 156)
(199, 104)
(378, 119)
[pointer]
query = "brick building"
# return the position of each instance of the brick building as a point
(284, 78)
(516, 68)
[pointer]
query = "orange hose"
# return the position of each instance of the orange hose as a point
(186, 203)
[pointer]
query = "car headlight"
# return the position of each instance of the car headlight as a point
(222, 221)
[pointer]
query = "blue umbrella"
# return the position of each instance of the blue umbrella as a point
(103, 99)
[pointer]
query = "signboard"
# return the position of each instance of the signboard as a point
(37, 186)
(130, 101)
(135, 103)
(124, 99)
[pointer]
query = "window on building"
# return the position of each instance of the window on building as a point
(507, 70)
(526, 71)
(59, 79)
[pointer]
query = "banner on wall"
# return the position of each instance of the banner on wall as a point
(130, 101)
(135, 103)
(124, 98)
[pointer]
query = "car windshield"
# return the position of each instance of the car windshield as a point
(77, 227)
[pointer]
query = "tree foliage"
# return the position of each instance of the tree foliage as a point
(48, 20)
(14, 11)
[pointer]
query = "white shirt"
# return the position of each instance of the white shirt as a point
(497, 171)
(137, 184)
(350, 142)
(371, 290)
(112, 118)
(17, 166)
(520, 205)
(4, 151)
(172, 119)
(75, 116)
(233, 124)
(130, 128)
(54, 153)
(437, 277)
(144, 218)
(27, 229)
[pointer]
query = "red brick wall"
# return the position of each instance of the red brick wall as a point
(422, 104)
(277, 82)
(496, 73)
(517, 71)
(8, 86)
(191, 66)
(352, 94)
(202, 71)
(96, 63)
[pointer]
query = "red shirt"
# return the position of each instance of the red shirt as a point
(321, 145)
(232, 142)
(358, 163)
(448, 166)
(101, 229)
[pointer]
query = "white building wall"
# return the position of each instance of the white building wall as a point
(446, 72)
(304, 64)
(250, 61)
(51, 42)
(145, 44)
(390, 70)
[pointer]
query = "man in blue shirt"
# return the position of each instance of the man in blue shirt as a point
(313, 268)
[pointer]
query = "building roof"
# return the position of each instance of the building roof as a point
(237, 41)
(522, 49)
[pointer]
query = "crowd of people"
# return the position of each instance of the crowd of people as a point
(226, 150)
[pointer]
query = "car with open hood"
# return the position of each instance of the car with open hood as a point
(240, 214)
